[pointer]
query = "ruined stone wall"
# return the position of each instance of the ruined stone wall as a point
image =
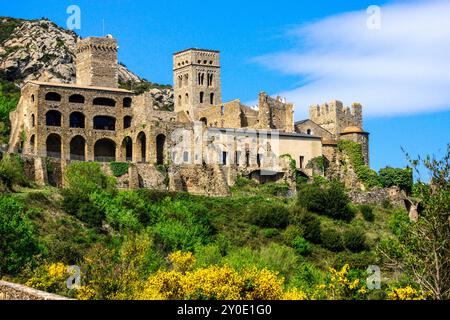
(249, 117)
(199, 179)
(24, 120)
(378, 196)
(227, 115)
(13, 291)
(275, 114)
(96, 62)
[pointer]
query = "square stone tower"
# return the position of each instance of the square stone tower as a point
(196, 80)
(96, 62)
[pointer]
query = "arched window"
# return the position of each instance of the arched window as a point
(127, 148)
(53, 118)
(308, 131)
(106, 102)
(77, 120)
(204, 120)
(127, 102)
(201, 78)
(32, 98)
(76, 98)
(53, 145)
(53, 96)
(127, 122)
(142, 143)
(104, 123)
(105, 150)
(202, 94)
(78, 149)
(160, 142)
(210, 79)
(222, 110)
(179, 100)
(33, 121)
(180, 81)
(186, 80)
(211, 98)
(186, 98)
(32, 143)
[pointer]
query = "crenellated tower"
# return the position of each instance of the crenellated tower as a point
(96, 62)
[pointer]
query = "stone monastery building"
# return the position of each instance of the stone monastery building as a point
(200, 147)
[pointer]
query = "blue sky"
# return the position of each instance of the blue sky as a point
(309, 51)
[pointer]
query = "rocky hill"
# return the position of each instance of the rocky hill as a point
(41, 50)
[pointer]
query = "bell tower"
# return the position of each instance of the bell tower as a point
(196, 79)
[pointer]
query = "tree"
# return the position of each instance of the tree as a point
(424, 249)
(18, 244)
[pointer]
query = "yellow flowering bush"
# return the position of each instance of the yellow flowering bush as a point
(294, 294)
(163, 285)
(212, 283)
(85, 293)
(182, 261)
(406, 293)
(262, 285)
(49, 277)
(339, 286)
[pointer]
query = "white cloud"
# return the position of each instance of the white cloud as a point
(403, 68)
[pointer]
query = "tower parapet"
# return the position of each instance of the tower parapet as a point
(96, 62)
(334, 117)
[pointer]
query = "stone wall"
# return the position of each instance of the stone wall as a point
(377, 196)
(334, 117)
(199, 179)
(96, 62)
(12, 291)
(275, 114)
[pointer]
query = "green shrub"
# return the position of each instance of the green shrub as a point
(275, 189)
(330, 200)
(11, 172)
(309, 224)
(332, 240)
(208, 255)
(367, 212)
(270, 232)
(118, 217)
(18, 243)
(173, 235)
(268, 215)
(354, 240)
(402, 178)
(291, 232)
(119, 168)
(386, 204)
(399, 223)
(181, 225)
(273, 257)
(131, 200)
(82, 180)
(302, 246)
(243, 182)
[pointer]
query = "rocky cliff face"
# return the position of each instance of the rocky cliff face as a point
(41, 50)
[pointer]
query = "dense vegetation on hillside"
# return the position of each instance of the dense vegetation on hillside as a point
(256, 244)
(9, 97)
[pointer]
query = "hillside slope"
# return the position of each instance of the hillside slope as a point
(41, 50)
